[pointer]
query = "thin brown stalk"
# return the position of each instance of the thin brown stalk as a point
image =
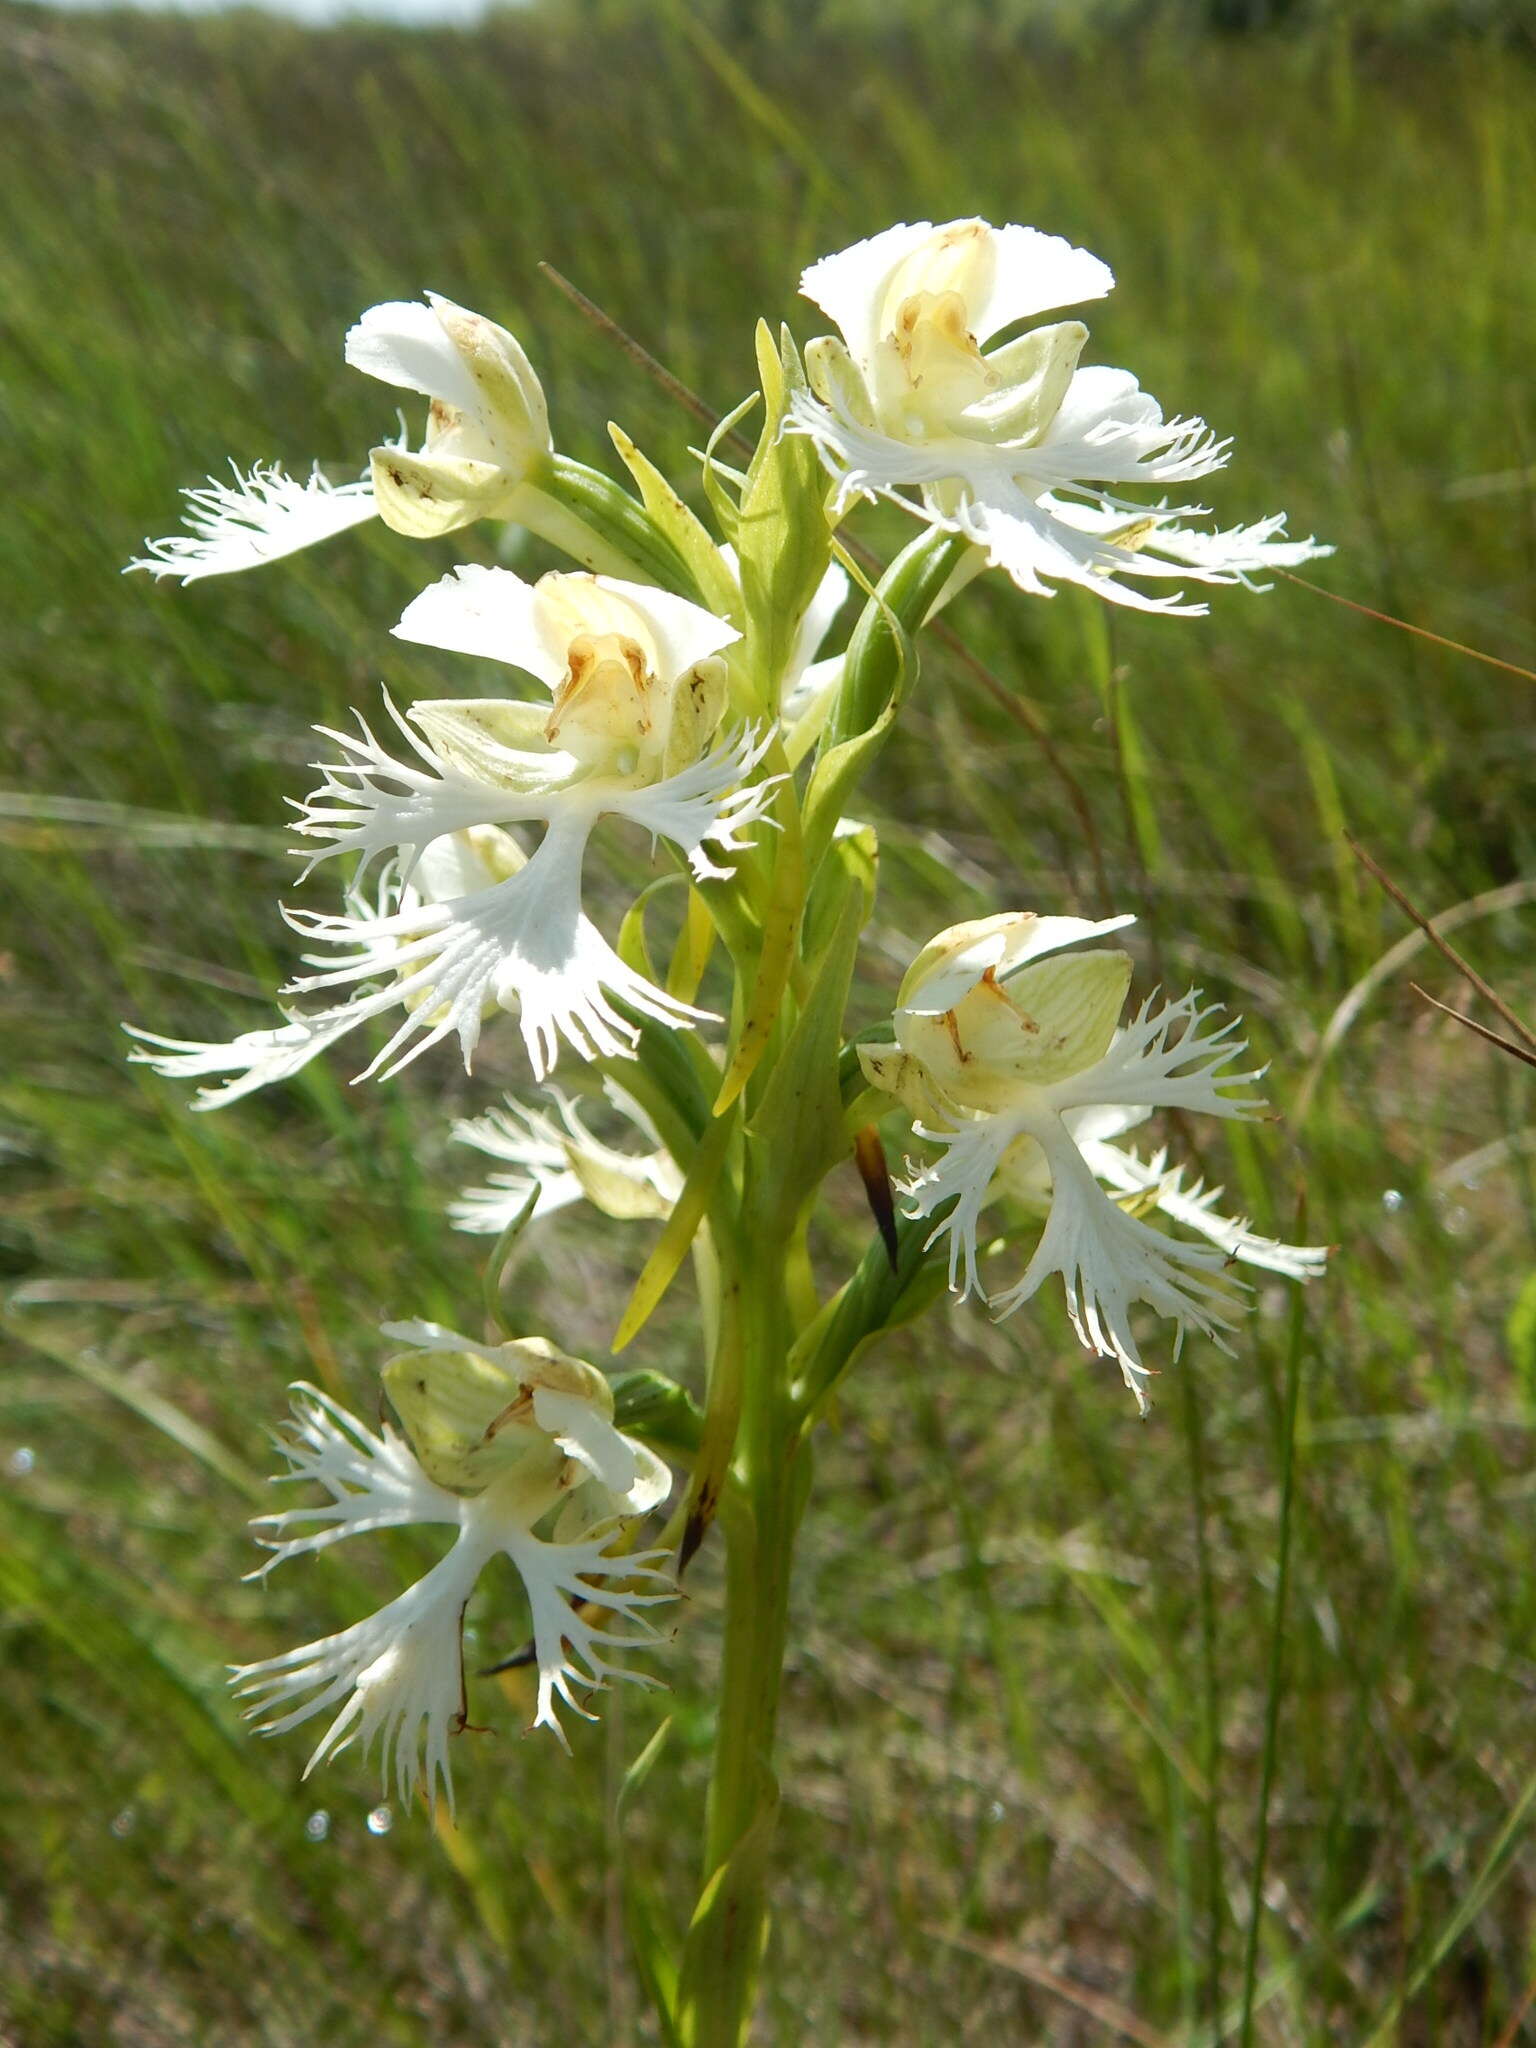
(1020, 708)
(1493, 1037)
(638, 353)
(1443, 946)
(1104, 2012)
(1420, 632)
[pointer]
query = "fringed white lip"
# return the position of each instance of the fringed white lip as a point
(256, 1059)
(262, 516)
(523, 940)
(556, 1161)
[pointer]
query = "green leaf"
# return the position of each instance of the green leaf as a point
(640, 1770)
(653, 1952)
(882, 666)
(781, 924)
(632, 948)
(799, 1121)
(837, 772)
(854, 856)
(496, 1265)
(670, 1249)
(724, 507)
(690, 956)
(683, 530)
(582, 507)
(783, 543)
(155, 1409)
(1520, 1334)
(714, 1973)
(875, 1299)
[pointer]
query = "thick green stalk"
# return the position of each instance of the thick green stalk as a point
(760, 1517)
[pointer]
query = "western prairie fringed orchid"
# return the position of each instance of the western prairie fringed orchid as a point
(487, 429)
(712, 688)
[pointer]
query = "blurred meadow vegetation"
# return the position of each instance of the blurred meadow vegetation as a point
(1036, 1673)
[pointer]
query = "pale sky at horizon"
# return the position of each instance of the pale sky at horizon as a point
(424, 12)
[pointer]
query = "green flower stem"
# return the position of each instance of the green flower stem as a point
(760, 1518)
(587, 516)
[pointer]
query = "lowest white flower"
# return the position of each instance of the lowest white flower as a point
(514, 1446)
(1022, 451)
(628, 732)
(1010, 1056)
(557, 1161)
(487, 428)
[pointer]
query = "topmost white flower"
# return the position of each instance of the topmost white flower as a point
(907, 399)
(487, 428)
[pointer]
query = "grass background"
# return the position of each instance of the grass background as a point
(1033, 1664)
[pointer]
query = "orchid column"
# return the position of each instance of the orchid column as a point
(670, 694)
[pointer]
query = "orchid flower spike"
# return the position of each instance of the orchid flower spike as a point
(556, 1161)
(487, 429)
(629, 731)
(514, 1447)
(1010, 1056)
(1022, 451)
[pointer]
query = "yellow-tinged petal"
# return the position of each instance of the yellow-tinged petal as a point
(836, 379)
(469, 1414)
(1050, 1021)
(423, 495)
(493, 739)
(1028, 379)
(897, 1073)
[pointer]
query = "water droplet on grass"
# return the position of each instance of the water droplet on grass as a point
(380, 1821)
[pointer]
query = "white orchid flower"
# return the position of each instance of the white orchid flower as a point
(486, 428)
(556, 1161)
(477, 926)
(513, 1446)
(1010, 1055)
(1022, 451)
(635, 696)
